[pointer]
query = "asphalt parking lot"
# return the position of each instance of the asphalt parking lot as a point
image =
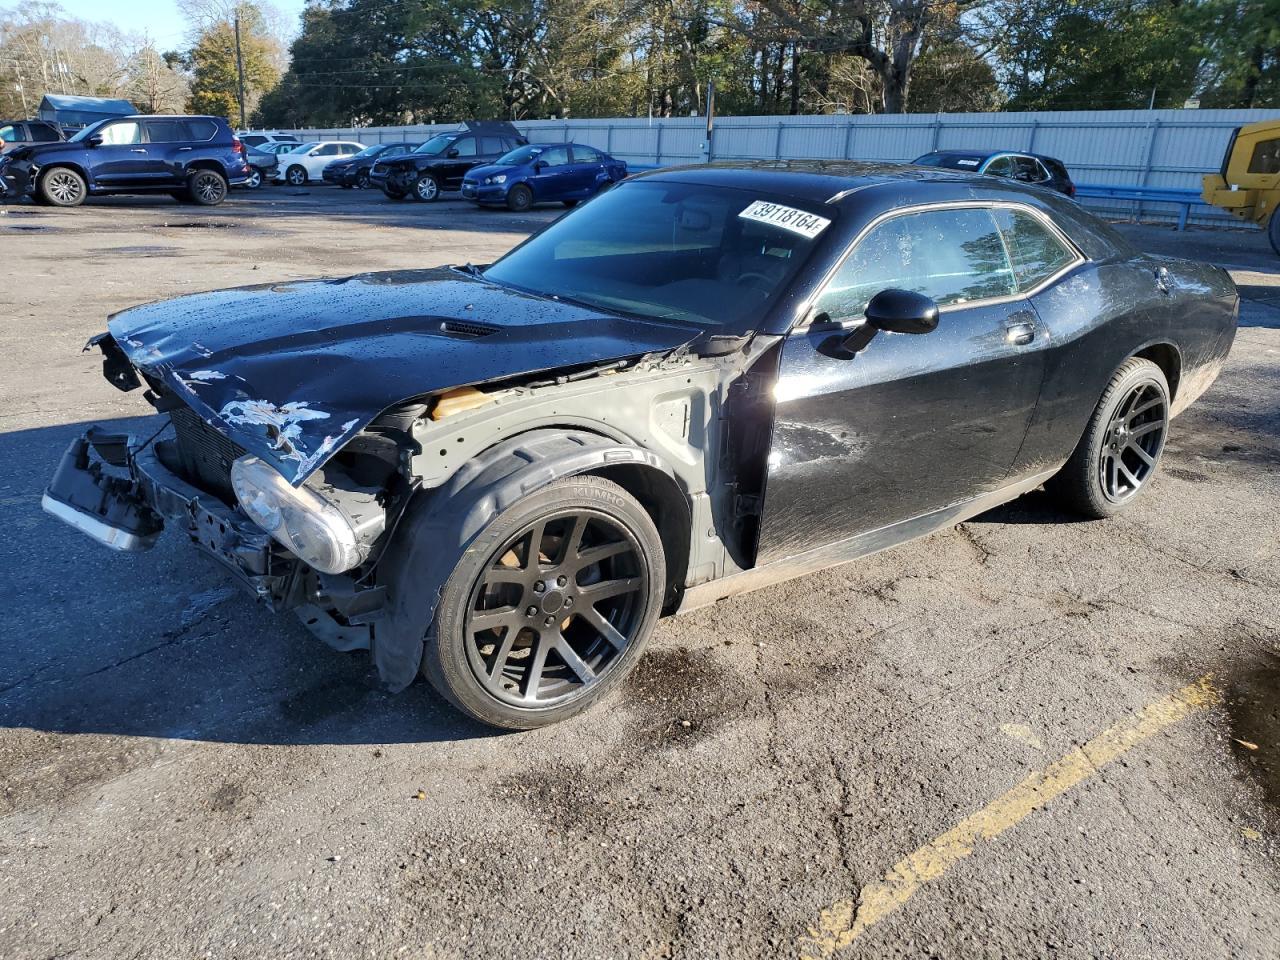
(1022, 737)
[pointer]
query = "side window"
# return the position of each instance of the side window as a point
(327, 150)
(491, 145)
(166, 131)
(953, 256)
(555, 156)
(583, 154)
(1035, 251)
(1000, 167)
(121, 133)
(11, 133)
(1028, 170)
(350, 149)
(43, 133)
(466, 146)
(1266, 157)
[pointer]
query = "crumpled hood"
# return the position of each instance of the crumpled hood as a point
(292, 371)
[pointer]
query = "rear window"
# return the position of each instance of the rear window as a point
(1056, 168)
(199, 129)
(952, 161)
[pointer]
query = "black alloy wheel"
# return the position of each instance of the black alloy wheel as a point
(549, 607)
(207, 187)
(63, 187)
(1133, 440)
(1122, 444)
(556, 608)
(362, 180)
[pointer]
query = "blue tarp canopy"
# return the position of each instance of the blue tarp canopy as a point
(82, 111)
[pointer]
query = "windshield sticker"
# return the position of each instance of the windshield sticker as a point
(788, 218)
(966, 162)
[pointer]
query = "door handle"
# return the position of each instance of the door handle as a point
(1020, 332)
(183, 149)
(137, 150)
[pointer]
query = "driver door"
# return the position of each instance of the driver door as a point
(122, 158)
(872, 428)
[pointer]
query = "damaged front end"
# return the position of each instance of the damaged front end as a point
(302, 548)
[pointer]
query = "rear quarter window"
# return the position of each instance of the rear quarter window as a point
(1035, 252)
(202, 129)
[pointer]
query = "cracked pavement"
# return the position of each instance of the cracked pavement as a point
(185, 774)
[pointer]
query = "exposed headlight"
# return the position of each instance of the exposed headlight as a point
(496, 178)
(302, 521)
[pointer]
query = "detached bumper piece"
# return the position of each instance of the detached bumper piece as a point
(97, 503)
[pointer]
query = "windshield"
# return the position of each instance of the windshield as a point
(521, 154)
(301, 147)
(437, 144)
(712, 256)
(87, 131)
(372, 151)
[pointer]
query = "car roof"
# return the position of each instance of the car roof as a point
(820, 181)
(988, 154)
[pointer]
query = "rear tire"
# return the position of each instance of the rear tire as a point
(208, 188)
(1120, 450)
(362, 181)
(519, 198)
(520, 639)
(254, 180)
(393, 194)
(62, 187)
(1273, 233)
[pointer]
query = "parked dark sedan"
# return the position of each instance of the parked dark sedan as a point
(1024, 167)
(441, 162)
(263, 165)
(541, 172)
(193, 158)
(708, 379)
(353, 171)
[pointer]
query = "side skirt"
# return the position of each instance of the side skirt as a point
(853, 548)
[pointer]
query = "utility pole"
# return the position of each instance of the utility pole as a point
(711, 116)
(239, 71)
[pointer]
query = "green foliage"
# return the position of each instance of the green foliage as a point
(212, 63)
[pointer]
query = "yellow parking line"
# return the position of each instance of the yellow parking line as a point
(843, 922)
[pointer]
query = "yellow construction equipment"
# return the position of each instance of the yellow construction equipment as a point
(1249, 184)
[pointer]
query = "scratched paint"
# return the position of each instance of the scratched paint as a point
(844, 922)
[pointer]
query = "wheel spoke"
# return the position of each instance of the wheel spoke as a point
(575, 662)
(499, 662)
(1146, 457)
(1111, 480)
(1149, 405)
(595, 592)
(594, 555)
(569, 549)
(1133, 481)
(1146, 428)
(533, 560)
(533, 676)
(500, 574)
(488, 619)
(603, 627)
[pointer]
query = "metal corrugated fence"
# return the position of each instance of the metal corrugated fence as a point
(1145, 148)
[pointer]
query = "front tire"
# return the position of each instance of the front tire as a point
(519, 198)
(550, 607)
(296, 176)
(63, 187)
(362, 181)
(426, 188)
(1121, 447)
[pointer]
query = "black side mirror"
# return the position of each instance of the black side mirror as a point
(539, 165)
(95, 140)
(453, 152)
(902, 311)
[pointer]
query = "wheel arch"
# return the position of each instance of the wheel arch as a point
(1168, 358)
(70, 165)
(439, 525)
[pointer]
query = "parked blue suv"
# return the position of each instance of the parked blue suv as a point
(193, 158)
(567, 172)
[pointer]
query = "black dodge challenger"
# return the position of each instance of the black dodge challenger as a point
(706, 380)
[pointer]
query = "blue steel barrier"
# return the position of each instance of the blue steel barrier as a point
(1183, 198)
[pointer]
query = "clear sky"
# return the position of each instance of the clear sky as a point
(159, 19)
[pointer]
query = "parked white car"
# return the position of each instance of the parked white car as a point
(309, 159)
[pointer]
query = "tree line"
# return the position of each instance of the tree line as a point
(355, 62)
